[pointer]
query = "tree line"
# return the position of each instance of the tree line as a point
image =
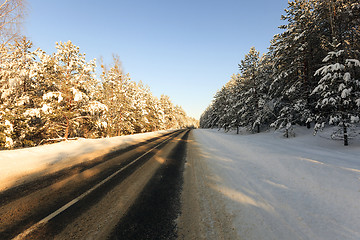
(309, 76)
(51, 97)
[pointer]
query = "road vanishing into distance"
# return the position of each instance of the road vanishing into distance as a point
(190, 184)
(132, 193)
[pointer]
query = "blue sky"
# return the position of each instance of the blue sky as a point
(185, 49)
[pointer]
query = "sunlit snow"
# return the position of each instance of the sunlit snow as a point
(307, 187)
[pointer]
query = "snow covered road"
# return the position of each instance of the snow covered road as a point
(275, 188)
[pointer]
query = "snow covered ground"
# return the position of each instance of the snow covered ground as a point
(18, 166)
(307, 187)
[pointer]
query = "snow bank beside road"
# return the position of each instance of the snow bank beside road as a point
(275, 188)
(16, 166)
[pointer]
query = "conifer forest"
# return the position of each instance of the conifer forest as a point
(309, 76)
(46, 98)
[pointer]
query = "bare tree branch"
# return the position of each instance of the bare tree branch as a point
(11, 14)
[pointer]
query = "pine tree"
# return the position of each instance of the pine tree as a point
(250, 84)
(338, 88)
(339, 91)
(20, 114)
(115, 90)
(264, 113)
(167, 108)
(231, 119)
(151, 107)
(296, 54)
(71, 84)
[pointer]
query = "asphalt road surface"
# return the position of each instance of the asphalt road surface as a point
(133, 193)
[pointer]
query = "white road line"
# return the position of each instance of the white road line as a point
(69, 204)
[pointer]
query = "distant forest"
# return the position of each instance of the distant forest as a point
(310, 75)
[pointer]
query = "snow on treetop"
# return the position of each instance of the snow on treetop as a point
(332, 54)
(329, 68)
(351, 62)
(32, 112)
(96, 106)
(346, 92)
(50, 95)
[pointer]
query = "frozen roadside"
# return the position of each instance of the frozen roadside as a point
(22, 165)
(203, 214)
(275, 188)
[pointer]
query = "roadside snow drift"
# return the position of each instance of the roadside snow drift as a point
(276, 188)
(19, 166)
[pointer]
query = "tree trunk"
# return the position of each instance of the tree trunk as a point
(287, 133)
(67, 128)
(237, 129)
(346, 143)
(308, 125)
(258, 128)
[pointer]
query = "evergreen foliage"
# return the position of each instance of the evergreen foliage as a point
(46, 98)
(311, 73)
